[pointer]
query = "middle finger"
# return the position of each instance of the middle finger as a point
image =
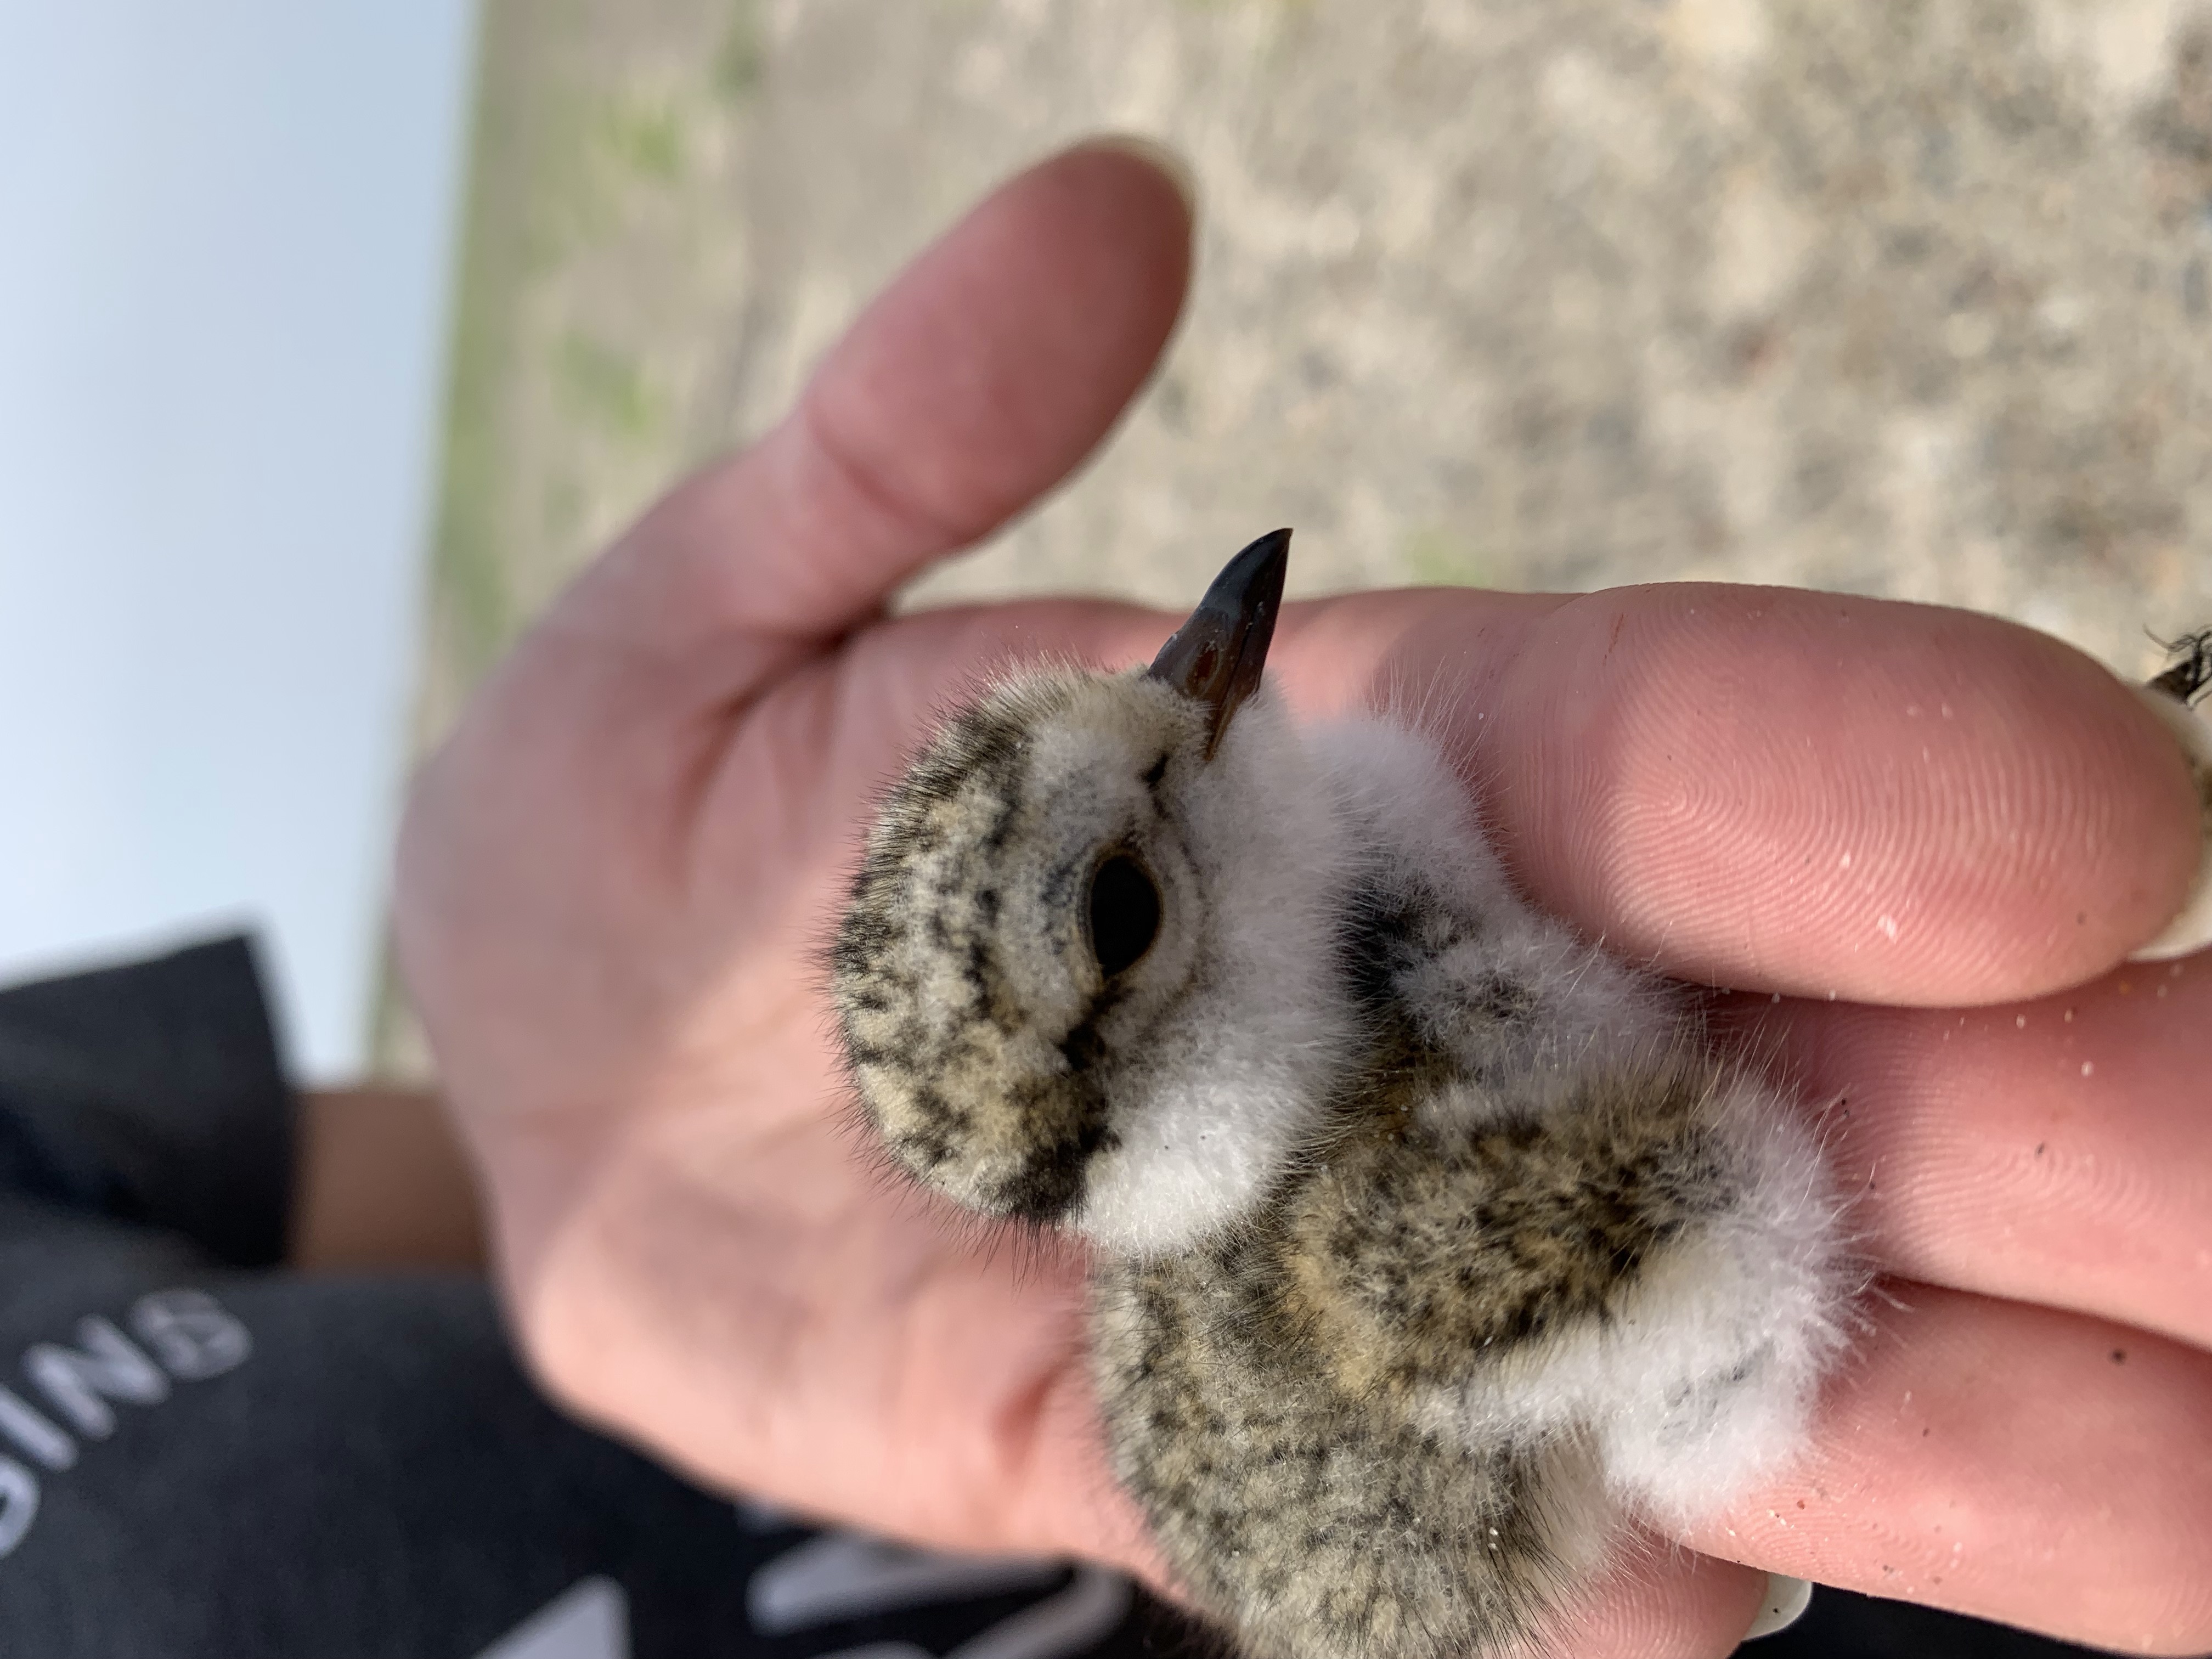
(2057, 1151)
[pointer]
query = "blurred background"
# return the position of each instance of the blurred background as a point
(227, 237)
(333, 339)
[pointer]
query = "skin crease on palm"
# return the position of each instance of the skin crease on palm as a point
(1863, 818)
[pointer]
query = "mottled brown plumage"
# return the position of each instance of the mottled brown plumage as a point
(1433, 1243)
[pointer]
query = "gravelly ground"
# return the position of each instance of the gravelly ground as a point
(1899, 298)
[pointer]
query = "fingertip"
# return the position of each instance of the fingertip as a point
(1826, 795)
(1782, 1606)
(1157, 155)
(982, 375)
(1664, 1602)
(1005, 352)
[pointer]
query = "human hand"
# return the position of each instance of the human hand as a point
(616, 878)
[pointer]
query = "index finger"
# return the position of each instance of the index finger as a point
(1806, 793)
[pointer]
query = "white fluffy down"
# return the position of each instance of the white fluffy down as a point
(1408, 826)
(1706, 1380)
(1705, 1377)
(1242, 1069)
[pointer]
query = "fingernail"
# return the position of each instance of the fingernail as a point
(2190, 930)
(1787, 1598)
(1154, 152)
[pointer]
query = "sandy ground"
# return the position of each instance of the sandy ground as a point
(1894, 298)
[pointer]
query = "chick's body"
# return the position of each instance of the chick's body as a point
(1432, 1244)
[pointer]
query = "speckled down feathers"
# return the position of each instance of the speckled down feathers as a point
(932, 1029)
(1433, 1243)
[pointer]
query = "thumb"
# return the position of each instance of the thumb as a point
(976, 382)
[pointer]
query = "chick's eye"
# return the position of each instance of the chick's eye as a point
(1125, 914)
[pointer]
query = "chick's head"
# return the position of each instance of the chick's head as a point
(1086, 977)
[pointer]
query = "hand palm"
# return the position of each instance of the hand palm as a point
(617, 878)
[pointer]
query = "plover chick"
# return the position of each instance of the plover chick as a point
(1432, 1244)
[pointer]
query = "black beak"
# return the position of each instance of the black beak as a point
(1216, 657)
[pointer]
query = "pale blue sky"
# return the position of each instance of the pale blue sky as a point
(225, 264)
